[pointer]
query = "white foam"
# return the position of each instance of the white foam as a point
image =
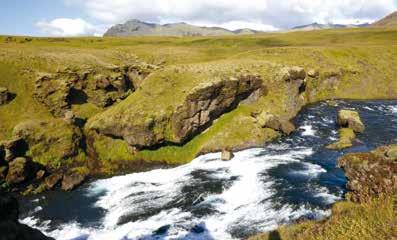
(393, 109)
(245, 203)
(308, 130)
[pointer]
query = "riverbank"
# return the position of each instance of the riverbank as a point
(293, 178)
(370, 209)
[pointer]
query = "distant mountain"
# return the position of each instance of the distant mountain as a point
(139, 28)
(389, 21)
(318, 26)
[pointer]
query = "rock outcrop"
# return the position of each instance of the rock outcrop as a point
(268, 120)
(181, 122)
(293, 73)
(50, 142)
(102, 87)
(20, 169)
(346, 137)
(226, 155)
(4, 95)
(351, 123)
(350, 119)
(207, 103)
(72, 179)
(370, 174)
(10, 228)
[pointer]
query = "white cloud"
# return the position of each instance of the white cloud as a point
(267, 15)
(68, 27)
(276, 13)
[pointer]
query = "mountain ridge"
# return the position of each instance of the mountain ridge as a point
(389, 21)
(137, 27)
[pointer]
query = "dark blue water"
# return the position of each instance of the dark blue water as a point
(293, 178)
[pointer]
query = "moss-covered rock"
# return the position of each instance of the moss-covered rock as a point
(177, 122)
(50, 142)
(370, 174)
(101, 86)
(346, 137)
(73, 178)
(350, 119)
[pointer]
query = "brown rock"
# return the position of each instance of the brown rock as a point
(313, 73)
(226, 155)
(287, 127)
(350, 119)
(208, 102)
(4, 95)
(52, 180)
(293, 73)
(369, 174)
(40, 174)
(20, 170)
(72, 180)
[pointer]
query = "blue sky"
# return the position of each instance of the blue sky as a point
(93, 17)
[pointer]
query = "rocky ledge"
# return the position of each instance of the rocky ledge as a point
(10, 228)
(198, 109)
(372, 174)
(101, 86)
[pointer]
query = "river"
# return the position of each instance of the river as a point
(259, 189)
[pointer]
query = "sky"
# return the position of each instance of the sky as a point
(93, 17)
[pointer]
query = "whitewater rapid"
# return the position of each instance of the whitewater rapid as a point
(258, 190)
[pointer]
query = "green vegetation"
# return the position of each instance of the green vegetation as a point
(353, 63)
(375, 219)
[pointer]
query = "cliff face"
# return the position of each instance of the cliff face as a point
(180, 121)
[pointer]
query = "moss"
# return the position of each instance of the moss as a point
(372, 220)
(346, 136)
(51, 143)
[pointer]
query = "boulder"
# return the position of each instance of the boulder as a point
(72, 180)
(350, 119)
(313, 73)
(40, 174)
(267, 120)
(10, 228)
(52, 180)
(346, 137)
(369, 174)
(226, 155)
(20, 170)
(287, 127)
(4, 95)
(293, 73)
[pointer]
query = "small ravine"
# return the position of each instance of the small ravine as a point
(260, 189)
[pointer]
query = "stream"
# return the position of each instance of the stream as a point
(293, 178)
